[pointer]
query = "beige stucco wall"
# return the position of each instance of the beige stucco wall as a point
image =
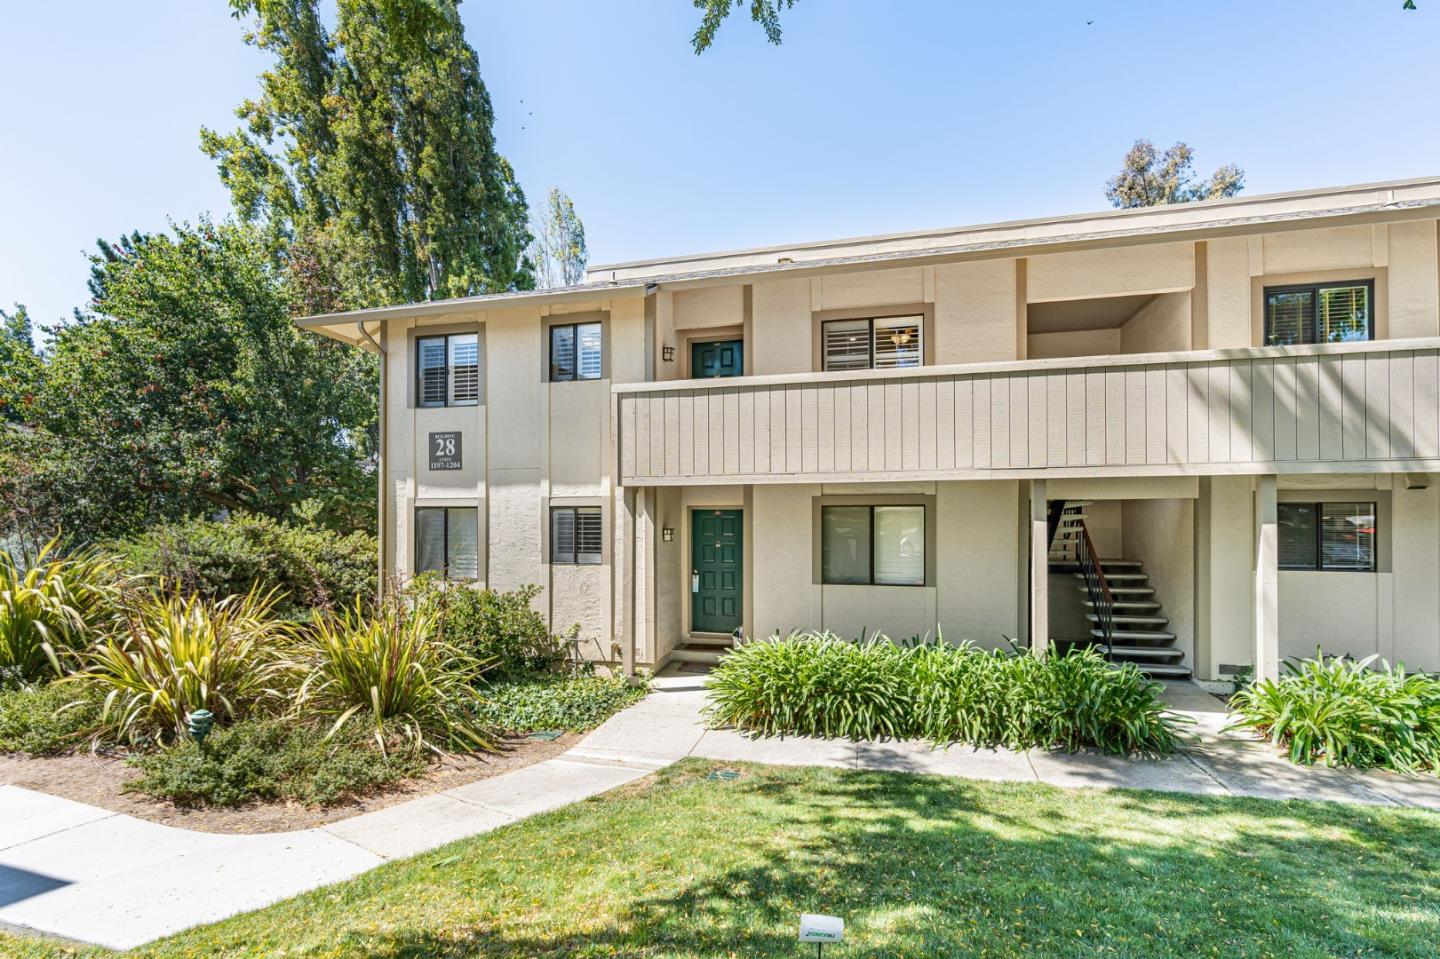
(1044, 346)
(1119, 271)
(1163, 326)
(1161, 534)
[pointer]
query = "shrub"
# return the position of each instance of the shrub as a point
(573, 702)
(310, 567)
(820, 685)
(1346, 712)
(271, 759)
(392, 671)
(45, 720)
(501, 628)
(173, 655)
(50, 609)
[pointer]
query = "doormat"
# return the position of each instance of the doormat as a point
(701, 668)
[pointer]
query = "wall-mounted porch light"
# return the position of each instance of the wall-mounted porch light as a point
(667, 534)
(667, 353)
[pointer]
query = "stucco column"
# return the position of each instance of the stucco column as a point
(623, 572)
(1267, 579)
(1039, 570)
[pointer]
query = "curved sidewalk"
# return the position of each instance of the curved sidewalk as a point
(88, 874)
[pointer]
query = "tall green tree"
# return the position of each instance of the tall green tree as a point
(369, 156)
(20, 366)
(559, 251)
(1150, 178)
(714, 12)
(189, 390)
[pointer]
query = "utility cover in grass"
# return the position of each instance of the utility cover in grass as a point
(547, 735)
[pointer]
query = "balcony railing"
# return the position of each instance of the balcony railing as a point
(1352, 407)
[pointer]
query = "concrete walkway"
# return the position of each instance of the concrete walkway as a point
(88, 874)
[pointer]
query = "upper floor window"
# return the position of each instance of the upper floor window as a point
(575, 352)
(447, 541)
(1337, 536)
(1320, 313)
(872, 545)
(448, 369)
(577, 534)
(881, 343)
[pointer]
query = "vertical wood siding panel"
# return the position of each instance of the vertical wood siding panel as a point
(1037, 428)
(1307, 406)
(731, 400)
(894, 425)
(1242, 412)
(809, 427)
(1197, 422)
(1218, 408)
(1114, 417)
(929, 414)
(945, 424)
(685, 408)
(762, 431)
(1178, 404)
(879, 427)
(1287, 410)
(717, 432)
(844, 440)
(1136, 410)
(1262, 410)
(909, 399)
(1075, 402)
(964, 423)
(1427, 403)
(999, 391)
(628, 455)
(1352, 407)
(1019, 407)
(794, 429)
(779, 419)
(1157, 415)
(825, 420)
(702, 432)
(1377, 406)
(1330, 405)
(1402, 405)
(1056, 421)
(672, 434)
(633, 420)
(746, 416)
(1094, 417)
(859, 428)
(981, 398)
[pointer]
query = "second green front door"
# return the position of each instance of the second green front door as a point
(718, 358)
(715, 573)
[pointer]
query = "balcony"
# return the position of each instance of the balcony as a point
(1352, 407)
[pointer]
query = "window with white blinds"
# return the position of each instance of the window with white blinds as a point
(576, 352)
(577, 535)
(1320, 313)
(447, 541)
(872, 545)
(881, 343)
(448, 370)
(1328, 536)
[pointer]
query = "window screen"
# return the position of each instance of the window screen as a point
(577, 535)
(1328, 313)
(879, 545)
(447, 540)
(882, 344)
(576, 352)
(1332, 536)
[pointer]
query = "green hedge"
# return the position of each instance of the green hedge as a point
(820, 685)
(46, 720)
(503, 629)
(1347, 712)
(314, 567)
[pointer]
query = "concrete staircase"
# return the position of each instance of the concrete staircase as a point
(703, 648)
(1139, 632)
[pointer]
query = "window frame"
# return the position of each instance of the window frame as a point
(574, 557)
(551, 374)
(449, 371)
(871, 507)
(921, 318)
(444, 571)
(1315, 288)
(1317, 511)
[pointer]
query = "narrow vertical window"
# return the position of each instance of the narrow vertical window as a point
(447, 541)
(577, 535)
(432, 374)
(464, 370)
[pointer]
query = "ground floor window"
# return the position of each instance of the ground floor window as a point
(1338, 536)
(872, 545)
(447, 541)
(576, 534)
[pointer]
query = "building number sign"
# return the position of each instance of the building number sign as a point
(445, 450)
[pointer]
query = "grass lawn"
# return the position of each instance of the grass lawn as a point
(680, 865)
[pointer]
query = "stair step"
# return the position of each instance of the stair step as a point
(692, 655)
(1136, 604)
(1164, 670)
(1154, 637)
(1120, 564)
(1124, 577)
(1127, 590)
(722, 640)
(1131, 620)
(1144, 652)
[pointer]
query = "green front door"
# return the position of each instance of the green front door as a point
(715, 570)
(720, 358)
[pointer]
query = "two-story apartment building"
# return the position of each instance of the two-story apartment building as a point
(1203, 436)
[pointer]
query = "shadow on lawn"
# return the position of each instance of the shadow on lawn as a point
(925, 867)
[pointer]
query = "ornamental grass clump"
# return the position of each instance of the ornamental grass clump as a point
(170, 655)
(820, 685)
(392, 671)
(51, 608)
(1347, 712)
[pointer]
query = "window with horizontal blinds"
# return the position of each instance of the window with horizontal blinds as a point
(447, 541)
(1327, 536)
(431, 375)
(464, 370)
(882, 343)
(576, 352)
(448, 370)
(1319, 313)
(872, 545)
(577, 535)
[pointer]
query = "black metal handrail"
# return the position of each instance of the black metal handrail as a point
(1096, 588)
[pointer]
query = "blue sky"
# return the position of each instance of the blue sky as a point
(871, 117)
